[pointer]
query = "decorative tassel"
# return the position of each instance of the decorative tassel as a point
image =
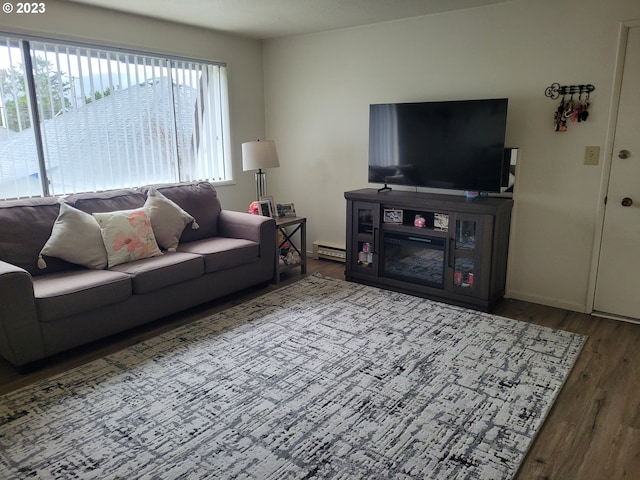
(194, 225)
(41, 263)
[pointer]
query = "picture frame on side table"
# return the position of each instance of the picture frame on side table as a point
(272, 204)
(264, 208)
(286, 210)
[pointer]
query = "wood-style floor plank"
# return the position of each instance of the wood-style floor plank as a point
(591, 433)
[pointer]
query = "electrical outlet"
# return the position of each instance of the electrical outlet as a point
(592, 155)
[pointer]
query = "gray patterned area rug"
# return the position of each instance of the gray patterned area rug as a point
(322, 379)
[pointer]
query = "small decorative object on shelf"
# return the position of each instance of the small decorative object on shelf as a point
(283, 245)
(419, 221)
(463, 279)
(291, 258)
(365, 256)
(392, 215)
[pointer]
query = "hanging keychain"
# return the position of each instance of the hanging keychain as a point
(584, 111)
(559, 122)
(569, 109)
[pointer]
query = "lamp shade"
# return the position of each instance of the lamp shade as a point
(258, 155)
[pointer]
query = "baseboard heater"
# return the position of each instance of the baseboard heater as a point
(329, 251)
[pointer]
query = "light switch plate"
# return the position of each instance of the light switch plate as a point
(592, 155)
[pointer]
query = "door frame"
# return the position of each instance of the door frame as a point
(608, 154)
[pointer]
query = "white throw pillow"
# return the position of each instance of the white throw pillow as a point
(167, 218)
(75, 238)
(127, 235)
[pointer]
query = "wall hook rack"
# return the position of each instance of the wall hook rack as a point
(574, 110)
(554, 90)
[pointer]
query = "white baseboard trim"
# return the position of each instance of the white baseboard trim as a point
(620, 318)
(550, 302)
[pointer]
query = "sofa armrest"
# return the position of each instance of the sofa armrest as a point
(245, 225)
(20, 334)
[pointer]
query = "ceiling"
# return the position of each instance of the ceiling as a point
(264, 19)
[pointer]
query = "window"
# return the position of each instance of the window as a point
(107, 119)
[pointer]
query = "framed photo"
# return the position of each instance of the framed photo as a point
(286, 210)
(441, 222)
(263, 208)
(391, 215)
(272, 204)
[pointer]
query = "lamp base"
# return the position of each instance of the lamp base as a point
(261, 184)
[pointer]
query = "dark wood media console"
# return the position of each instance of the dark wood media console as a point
(444, 247)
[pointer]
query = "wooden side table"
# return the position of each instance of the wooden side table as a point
(301, 225)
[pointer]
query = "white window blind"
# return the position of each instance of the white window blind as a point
(110, 119)
(19, 172)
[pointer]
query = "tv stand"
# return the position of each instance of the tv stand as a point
(444, 247)
(386, 188)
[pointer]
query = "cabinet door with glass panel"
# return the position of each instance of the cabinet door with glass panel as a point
(468, 269)
(366, 227)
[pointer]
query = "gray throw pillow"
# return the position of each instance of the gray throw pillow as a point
(75, 238)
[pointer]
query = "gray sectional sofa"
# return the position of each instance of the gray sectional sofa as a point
(48, 305)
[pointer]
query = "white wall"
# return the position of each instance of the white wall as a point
(76, 22)
(318, 88)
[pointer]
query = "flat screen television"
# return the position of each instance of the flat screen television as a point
(457, 145)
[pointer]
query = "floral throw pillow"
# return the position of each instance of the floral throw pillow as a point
(127, 236)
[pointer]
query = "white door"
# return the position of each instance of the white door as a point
(618, 277)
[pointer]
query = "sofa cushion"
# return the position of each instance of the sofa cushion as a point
(25, 226)
(62, 294)
(221, 252)
(75, 238)
(200, 199)
(168, 220)
(154, 273)
(108, 201)
(127, 236)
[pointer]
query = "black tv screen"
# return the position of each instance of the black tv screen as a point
(456, 145)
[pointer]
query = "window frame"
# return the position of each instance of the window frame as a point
(172, 61)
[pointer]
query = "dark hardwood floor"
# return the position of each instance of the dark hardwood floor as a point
(591, 433)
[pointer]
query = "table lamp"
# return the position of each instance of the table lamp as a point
(257, 156)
